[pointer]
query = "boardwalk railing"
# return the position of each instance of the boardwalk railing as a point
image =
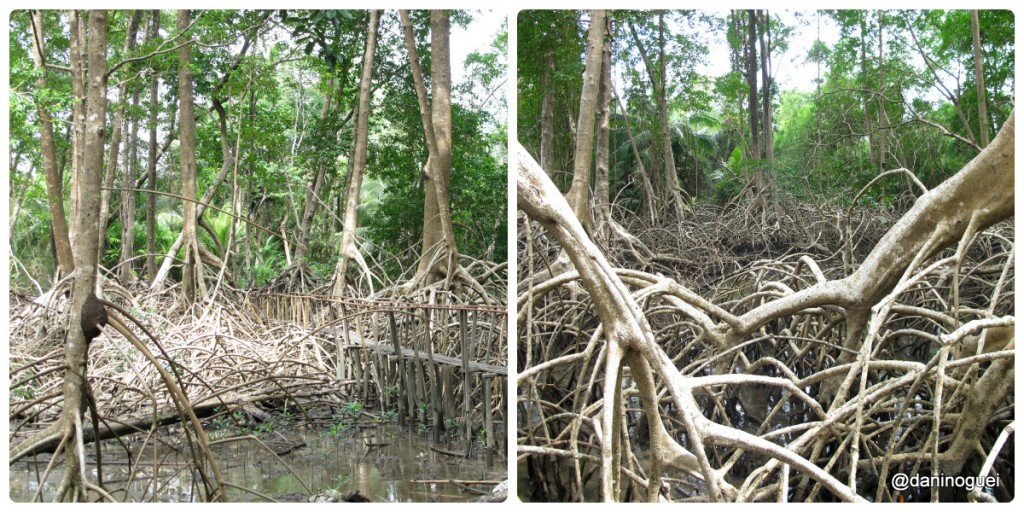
(438, 365)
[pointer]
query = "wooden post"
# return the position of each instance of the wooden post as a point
(435, 377)
(465, 382)
(378, 366)
(357, 367)
(488, 421)
(504, 414)
(342, 363)
(400, 378)
(410, 389)
(448, 391)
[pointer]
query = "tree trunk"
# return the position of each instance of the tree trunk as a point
(348, 249)
(883, 119)
(154, 108)
(602, 212)
(54, 184)
(579, 192)
(864, 84)
(87, 188)
(438, 252)
(439, 226)
(192, 284)
(767, 134)
(78, 87)
(115, 141)
(649, 197)
(128, 199)
(547, 115)
(979, 78)
(755, 146)
(817, 83)
(671, 177)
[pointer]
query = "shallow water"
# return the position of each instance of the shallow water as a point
(344, 462)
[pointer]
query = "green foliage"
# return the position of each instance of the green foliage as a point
(452, 424)
(354, 408)
(279, 130)
(727, 188)
(340, 482)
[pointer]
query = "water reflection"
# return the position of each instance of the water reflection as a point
(382, 462)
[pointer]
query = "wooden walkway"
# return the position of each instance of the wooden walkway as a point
(465, 388)
(408, 353)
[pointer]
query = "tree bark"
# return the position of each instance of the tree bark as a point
(126, 276)
(114, 159)
(87, 188)
(78, 88)
(439, 226)
(883, 118)
(192, 283)
(602, 208)
(547, 115)
(154, 108)
(767, 135)
(817, 83)
(579, 193)
(54, 184)
(348, 249)
(864, 84)
(755, 146)
(438, 252)
(979, 78)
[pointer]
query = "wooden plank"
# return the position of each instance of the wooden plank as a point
(407, 353)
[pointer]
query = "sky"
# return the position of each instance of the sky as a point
(791, 71)
(476, 37)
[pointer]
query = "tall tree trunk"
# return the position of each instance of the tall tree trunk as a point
(864, 83)
(579, 193)
(817, 83)
(439, 226)
(547, 115)
(979, 78)
(154, 108)
(78, 87)
(86, 226)
(601, 186)
(739, 66)
(115, 140)
(54, 184)
(671, 177)
(649, 197)
(755, 146)
(883, 119)
(192, 283)
(767, 135)
(348, 249)
(128, 198)
(439, 252)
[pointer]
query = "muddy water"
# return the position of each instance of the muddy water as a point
(382, 473)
